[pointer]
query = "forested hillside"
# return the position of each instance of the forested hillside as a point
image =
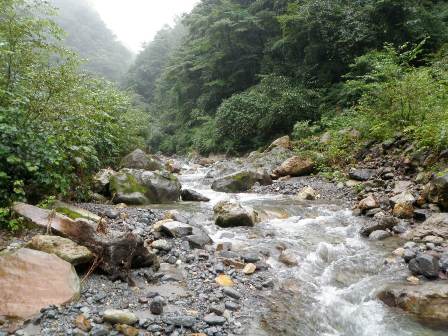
(58, 124)
(248, 71)
(87, 34)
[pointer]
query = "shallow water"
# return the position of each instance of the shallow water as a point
(332, 292)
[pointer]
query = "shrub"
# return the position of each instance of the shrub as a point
(252, 118)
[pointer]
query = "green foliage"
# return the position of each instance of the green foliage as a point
(212, 91)
(7, 220)
(411, 100)
(258, 115)
(57, 125)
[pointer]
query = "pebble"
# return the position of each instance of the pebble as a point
(213, 319)
(156, 307)
(234, 294)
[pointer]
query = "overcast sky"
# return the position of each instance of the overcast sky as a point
(136, 21)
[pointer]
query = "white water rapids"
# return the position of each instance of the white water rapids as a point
(332, 292)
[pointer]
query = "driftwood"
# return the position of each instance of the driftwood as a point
(116, 252)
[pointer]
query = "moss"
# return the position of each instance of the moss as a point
(70, 213)
(126, 184)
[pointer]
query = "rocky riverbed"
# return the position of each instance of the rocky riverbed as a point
(294, 256)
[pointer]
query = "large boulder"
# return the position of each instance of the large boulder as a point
(138, 159)
(241, 181)
(436, 225)
(137, 187)
(231, 214)
(438, 192)
(31, 280)
(428, 301)
(294, 166)
(101, 180)
(64, 248)
(283, 142)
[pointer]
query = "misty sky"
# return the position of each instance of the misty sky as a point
(137, 21)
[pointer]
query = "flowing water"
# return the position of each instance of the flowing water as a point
(332, 292)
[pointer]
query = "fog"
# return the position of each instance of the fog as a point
(136, 21)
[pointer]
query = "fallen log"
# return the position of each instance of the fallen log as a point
(116, 253)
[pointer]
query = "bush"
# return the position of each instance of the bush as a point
(270, 109)
(57, 125)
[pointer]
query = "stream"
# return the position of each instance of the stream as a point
(332, 291)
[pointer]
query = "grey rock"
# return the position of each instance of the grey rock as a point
(230, 305)
(218, 309)
(233, 293)
(241, 181)
(379, 235)
(193, 196)
(382, 223)
(362, 174)
(181, 320)
(138, 159)
(99, 331)
(156, 307)
(426, 265)
(177, 229)
(213, 319)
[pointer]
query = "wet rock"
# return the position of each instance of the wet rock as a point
(138, 159)
(193, 196)
(62, 247)
(379, 235)
(308, 193)
(31, 280)
(426, 265)
(120, 316)
(361, 174)
(294, 166)
(176, 229)
(428, 301)
(370, 202)
(213, 319)
(241, 181)
(288, 258)
(230, 214)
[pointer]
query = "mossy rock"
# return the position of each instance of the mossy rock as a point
(74, 212)
(138, 187)
(241, 181)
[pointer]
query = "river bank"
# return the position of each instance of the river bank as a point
(312, 269)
